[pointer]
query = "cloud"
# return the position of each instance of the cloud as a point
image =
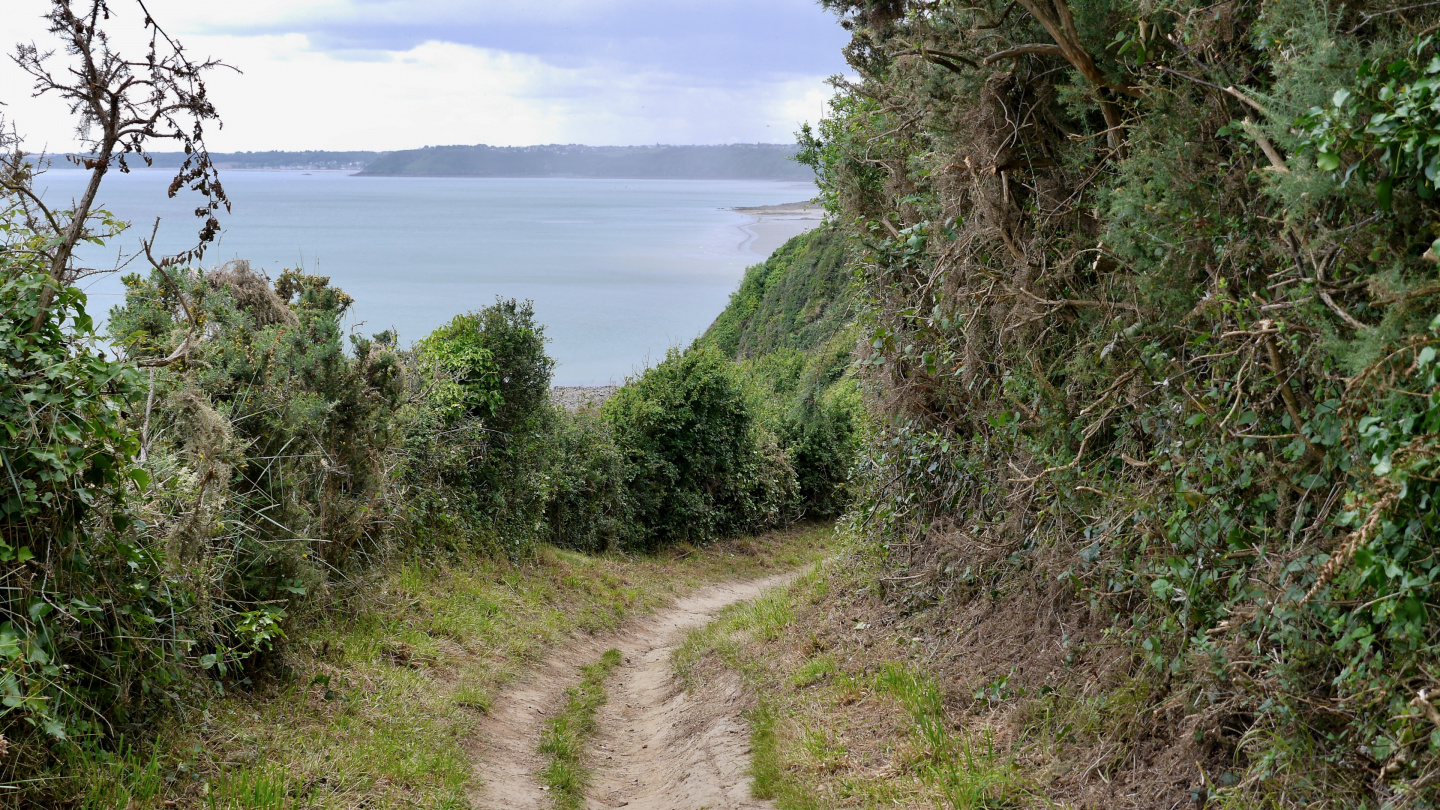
(710, 39)
(384, 74)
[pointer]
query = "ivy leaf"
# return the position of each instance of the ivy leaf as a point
(1328, 161)
(140, 476)
(1383, 191)
(1341, 96)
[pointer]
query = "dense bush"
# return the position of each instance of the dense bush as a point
(589, 504)
(88, 633)
(697, 464)
(281, 442)
(811, 403)
(1148, 313)
(480, 445)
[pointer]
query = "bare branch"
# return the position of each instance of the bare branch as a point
(1021, 50)
(1276, 162)
(121, 105)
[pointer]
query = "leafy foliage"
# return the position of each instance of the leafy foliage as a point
(480, 450)
(588, 508)
(796, 299)
(78, 594)
(1117, 340)
(789, 326)
(697, 465)
(1387, 121)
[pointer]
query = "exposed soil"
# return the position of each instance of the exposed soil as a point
(658, 746)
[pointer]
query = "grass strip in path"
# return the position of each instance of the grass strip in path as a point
(566, 734)
(845, 717)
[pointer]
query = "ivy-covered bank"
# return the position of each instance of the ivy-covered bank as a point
(1150, 331)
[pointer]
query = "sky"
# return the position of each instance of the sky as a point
(400, 74)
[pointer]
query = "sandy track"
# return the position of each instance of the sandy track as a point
(658, 747)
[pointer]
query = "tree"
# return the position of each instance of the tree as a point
(121, 104)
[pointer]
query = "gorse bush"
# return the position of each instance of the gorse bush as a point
(1148, 314)
(280, 426)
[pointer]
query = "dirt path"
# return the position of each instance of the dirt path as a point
(658, 747)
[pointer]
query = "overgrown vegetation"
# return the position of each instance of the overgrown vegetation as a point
(790, 328)
(1148, 302)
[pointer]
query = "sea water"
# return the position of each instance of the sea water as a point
(619, 270)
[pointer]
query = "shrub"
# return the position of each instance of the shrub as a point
(88, 633)
(811, 403)
(588, 508)
(697, 464)
(479, 445)
(292, 439)
(797, 299)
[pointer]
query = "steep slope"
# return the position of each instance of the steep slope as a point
(799, 298)
(790, 328)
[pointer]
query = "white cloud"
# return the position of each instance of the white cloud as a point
(294, 95)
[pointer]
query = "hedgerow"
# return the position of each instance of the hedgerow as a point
(1148, 294)
(697, 465)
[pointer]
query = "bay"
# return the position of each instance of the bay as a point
(619, 270)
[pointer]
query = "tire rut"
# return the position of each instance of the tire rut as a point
(658, 747)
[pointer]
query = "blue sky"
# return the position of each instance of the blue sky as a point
(389, 74)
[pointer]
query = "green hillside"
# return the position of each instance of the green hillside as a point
(790, 330)
(797, 299)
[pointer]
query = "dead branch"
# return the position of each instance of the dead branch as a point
(1330, 302)
(123, 104)
(1081, 303)
(1276, 162)
(1366, 18)
(180, 353)
(1422, 701)
(944, 58)
(1060, 25)
(1021, 50)
(1277, 366)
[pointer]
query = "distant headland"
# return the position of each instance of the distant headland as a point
(758, 161)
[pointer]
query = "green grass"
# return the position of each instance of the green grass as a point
(834, 729)
(377, 706)
(568, 733)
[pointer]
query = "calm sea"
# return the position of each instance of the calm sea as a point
(619, 270)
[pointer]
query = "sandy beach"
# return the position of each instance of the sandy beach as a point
(773, 225)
